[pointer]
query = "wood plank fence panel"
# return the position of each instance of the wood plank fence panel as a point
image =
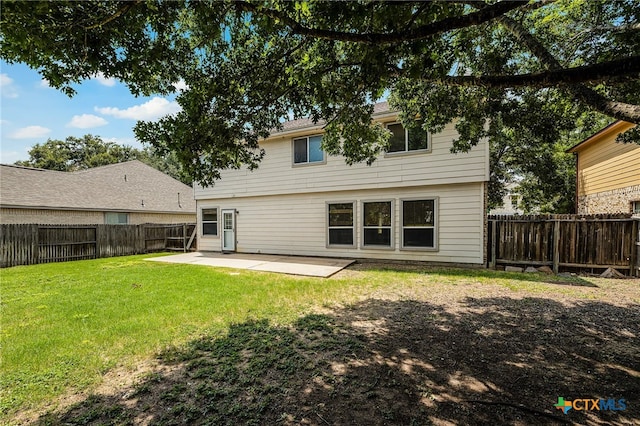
(59, 243)
(155, 237)
(120, 240)
(598, 241)
(18, 244)
(27, 244)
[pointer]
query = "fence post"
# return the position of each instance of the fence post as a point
(101, 241)
(492, 261)
(140, 239)
(556, 246)
(193, 235)
(184, 237)
(634, 262)
(35, 245)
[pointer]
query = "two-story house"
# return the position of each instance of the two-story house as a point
(608, 172)
(417, 202)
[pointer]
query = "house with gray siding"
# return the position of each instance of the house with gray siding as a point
(418, 202)
(123, 193)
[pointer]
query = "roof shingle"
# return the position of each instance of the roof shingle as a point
(131, 187)
(303, 123)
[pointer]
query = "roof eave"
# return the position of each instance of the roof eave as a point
(380, 116)
(618, 126)
(94, 209)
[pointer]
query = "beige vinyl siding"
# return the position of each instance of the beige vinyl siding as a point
(605, 166)
(297, 223)
(276, 174)
(83, 217)
(608, 165)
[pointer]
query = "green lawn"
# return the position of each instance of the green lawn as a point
(64, 325)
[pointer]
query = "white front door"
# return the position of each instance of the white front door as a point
(228, 230)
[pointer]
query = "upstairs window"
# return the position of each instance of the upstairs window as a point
(635, 207)
(308, 150)
(407, 140)
(514, 201)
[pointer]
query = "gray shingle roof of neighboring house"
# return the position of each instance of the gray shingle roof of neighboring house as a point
(127, 187)
(303, 123)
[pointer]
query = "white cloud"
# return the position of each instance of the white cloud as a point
(10, 157)
(151, 110)
(105, 81)
(44, 83)
(86, 121)
(7, 87)
(181, 86)
(30, 132)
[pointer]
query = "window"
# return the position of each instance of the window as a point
(308, 150)
(407, 140)
(377, 224)
(419, 224)
(635, 207)
(514, 201)
(210, 222)
(341, 224)
(116, 218)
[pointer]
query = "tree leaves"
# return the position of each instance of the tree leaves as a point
(90, 151)
(495, 68)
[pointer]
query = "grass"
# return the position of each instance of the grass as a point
(64, 325)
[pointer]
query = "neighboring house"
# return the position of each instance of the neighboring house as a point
(418, 202)
(124, 193)
(510, 202)
(608, 172)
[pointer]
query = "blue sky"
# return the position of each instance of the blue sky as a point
(32, 112)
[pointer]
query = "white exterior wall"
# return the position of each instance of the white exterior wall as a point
(297, 224)
(282, 208)
(277, 175)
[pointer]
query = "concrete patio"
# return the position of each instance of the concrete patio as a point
(293, 265)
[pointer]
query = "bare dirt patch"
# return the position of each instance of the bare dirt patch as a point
(415, 352)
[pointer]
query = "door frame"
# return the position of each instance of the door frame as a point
(231, 248)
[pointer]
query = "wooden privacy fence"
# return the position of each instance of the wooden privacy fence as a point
(570, 241)
(29, 244)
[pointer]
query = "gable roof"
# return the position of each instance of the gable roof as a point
(614, 128)
(379, 108)
(131, 186)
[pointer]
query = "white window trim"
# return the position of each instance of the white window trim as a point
(436, 213)
(202, 222)
(406, 143)
(353, 227)
(391, 246)
(307, 163)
